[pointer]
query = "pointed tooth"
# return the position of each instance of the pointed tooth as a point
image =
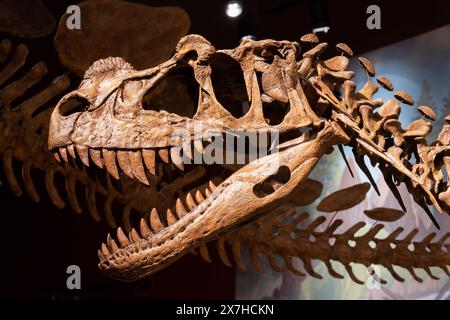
(109, 156)
(212, 186)
(222, 252)
(83, 153)
(57, 157)
(124, 162)
(71, 151)
(28, 181)
(69, 183)
(204, 253)
(145, 231)
(100, 255)
(176, 158)
(149, 160)
(90, 193)
(123, 240)
(236, 248)
(112, 245)
(190, 202)
(51, 189)
(134, 236)
(96, 156)
(198, 197)
(164, 155)
(9, 172)
(170, 217)
(155, 221)
(137, 166)
(105, 250)
(207, 192)
(63, 153)
(181, 210)
(198, 145)
(108, 212)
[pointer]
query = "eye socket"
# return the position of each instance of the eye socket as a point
(73, 105)
(176, 93)
(191, 56)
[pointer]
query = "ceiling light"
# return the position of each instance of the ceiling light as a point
(323, 29)
(233, 9)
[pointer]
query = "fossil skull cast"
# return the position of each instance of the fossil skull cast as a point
(141, 122)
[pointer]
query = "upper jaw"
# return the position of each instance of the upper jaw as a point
(104, 123)
(61, 127)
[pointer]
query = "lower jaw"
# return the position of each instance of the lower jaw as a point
(206, 222)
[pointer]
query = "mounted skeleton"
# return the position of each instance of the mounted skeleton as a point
(114, 130)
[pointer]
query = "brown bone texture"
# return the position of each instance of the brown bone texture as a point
(316, 241)
(123, 128)
(119, 124)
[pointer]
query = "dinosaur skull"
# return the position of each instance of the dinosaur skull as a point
(117, 97)
(112, 117)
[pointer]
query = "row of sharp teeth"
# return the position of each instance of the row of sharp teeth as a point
(155, 222)
(132, 162)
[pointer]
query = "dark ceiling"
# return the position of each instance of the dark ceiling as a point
(288, 19)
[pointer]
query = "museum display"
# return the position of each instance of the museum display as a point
(111, 122)
(309, 168)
